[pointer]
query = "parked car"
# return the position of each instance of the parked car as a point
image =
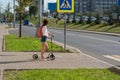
(105, 19)
(93, 18)
(85, 18)
(25, 22)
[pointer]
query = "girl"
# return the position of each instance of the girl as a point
(45, 35)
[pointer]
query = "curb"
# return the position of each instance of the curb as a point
(3, 41)
(70, 48)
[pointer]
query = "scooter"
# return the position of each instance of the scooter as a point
(50, 56)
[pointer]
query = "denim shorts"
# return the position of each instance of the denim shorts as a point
(43, 39)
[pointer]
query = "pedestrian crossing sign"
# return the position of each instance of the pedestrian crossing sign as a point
(65, 6)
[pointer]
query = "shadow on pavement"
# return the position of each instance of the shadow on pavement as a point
(9, 62)
(7, 55)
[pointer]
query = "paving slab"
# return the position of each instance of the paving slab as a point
(23, 60)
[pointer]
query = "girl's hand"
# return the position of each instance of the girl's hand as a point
(51, 35)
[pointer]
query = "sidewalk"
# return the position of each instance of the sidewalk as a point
(23, 60)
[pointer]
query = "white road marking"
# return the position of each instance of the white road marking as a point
(87, 37)
(57, 31)
(72, 34)
(99, 39)
(95, 38)
(111, 57)
(91, 37)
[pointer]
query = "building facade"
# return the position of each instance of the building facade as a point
(94, 5)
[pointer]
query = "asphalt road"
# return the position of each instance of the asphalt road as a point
(99, 46)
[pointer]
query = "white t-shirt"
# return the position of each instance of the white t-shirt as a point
(45, 31)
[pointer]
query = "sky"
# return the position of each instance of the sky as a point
(3, 3)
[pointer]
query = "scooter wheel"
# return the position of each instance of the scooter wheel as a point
(52, 57)
(35, 56)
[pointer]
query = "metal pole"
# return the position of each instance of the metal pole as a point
(65, 33)
(39, 15)
(20, 28)
(14, 13)
(39, 12)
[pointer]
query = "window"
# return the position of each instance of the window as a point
(85, 6)
(101, 2)
(105, 5)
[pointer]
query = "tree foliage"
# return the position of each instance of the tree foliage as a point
(33, 10)
(97, 21)
(22, 4)
(8, 13)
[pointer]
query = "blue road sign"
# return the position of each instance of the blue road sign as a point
(52, 6)
(65, 5)
(118, 2)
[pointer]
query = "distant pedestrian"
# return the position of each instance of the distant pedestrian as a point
(45, 34)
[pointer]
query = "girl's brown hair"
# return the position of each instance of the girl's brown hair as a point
(45, 22)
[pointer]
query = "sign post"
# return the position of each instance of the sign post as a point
(65, 18)
(39, 13)
(65, 6)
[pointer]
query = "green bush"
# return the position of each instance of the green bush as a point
(98, 19)
(110, 22)
(68, 20)
(80, 20)
(89, 21)
(92, 24)
(74, 21)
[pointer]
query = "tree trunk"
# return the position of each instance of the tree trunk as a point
(20, 27)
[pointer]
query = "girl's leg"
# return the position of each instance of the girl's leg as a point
(46, 46)
(43, 50)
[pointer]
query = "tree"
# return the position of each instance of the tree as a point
(74, 21)
(68, 18)
(110, 22)
(97, 21)
(115, 9)
(7, 12)
(20, 9)
(89, 19)
(33, 10)
(80, 20)
(74, 14)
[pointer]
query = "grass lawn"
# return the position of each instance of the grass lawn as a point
(13, 43)
(94, 27)
(61, 74)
